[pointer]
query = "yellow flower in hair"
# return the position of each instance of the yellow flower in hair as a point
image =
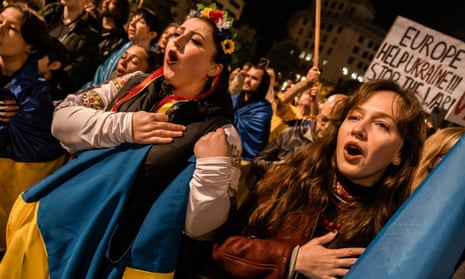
(228, 46)
(206, 12)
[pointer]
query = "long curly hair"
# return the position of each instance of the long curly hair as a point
(307, 177)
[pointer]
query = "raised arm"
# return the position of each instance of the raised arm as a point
(311, 78)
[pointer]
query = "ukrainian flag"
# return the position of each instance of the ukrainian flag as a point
(426, 236)
(61, 227)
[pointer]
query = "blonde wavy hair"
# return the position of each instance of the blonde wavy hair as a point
(436, 146)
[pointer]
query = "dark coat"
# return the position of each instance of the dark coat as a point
(81, 43)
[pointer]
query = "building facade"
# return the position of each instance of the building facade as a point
(348, 38)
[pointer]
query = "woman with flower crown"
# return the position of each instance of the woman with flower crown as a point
(312, 216)
(155, 155)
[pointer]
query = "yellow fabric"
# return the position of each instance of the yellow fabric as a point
(246, 183)
(24, 238)
(132, 273)
(286, 111)
(166, 106)
(282, 112)
(14, 179)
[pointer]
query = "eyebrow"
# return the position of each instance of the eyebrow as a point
(376, 114)
(192, 32)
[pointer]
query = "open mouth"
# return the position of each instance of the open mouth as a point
(119, 72)
(172, 57)
(353, 150)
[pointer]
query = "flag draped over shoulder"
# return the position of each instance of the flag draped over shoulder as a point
(426, 236)
(76, 211)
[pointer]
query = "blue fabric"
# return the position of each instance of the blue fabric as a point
(425, 237)
(27, 137)
(104, 70)
(80, 205)
(167, 215)
(253, 122)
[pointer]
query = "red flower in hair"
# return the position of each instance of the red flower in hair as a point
(216, 15)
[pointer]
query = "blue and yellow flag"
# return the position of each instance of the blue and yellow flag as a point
(426, 236)
(62, 226)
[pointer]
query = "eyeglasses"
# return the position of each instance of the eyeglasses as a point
(324, 119)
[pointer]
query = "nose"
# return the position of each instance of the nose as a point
(133, 20)
(124, 62)
(358, 131)
(180, 41)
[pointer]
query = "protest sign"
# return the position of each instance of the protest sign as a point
(426, 61)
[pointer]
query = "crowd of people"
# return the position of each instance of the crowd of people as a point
(132, 149)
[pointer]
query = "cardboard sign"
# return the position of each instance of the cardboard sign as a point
(425, 61)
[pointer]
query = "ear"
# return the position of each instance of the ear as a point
(153, 35)
(55, 65)
(397, 160)
(28, 49)
(215, 69)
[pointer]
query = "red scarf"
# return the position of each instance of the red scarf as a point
(146, 82)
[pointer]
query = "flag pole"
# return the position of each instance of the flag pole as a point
(316, 53)
(316, 49)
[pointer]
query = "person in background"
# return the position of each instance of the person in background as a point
(135, 58)
(133, 220)
(252, 112)
(252, 116)
(51, 65)
(283, 109)
(36, 5)
(314, 215)
(274, 84)
(143, 29)
(78, 31)
(28, 151)
(169, 31)
(296, 137)
(236, 78)
(436, 146)
(113, 15)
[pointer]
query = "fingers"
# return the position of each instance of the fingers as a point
(327, 238)
(313, 74)
(217, 135)
(349, 252)
(154, 128)
(8, 109)
(212, 144)
(314, 91)
(8, 103)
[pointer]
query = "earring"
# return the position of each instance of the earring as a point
(396, 162)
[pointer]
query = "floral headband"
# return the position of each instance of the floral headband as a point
(224, 24)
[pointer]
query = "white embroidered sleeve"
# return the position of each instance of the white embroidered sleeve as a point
(215, 179)
(81, 121)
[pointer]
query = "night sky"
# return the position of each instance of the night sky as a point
(446, 16)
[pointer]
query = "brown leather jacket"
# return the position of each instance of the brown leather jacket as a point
(250, 257)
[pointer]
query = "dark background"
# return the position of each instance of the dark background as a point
(446, 16)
